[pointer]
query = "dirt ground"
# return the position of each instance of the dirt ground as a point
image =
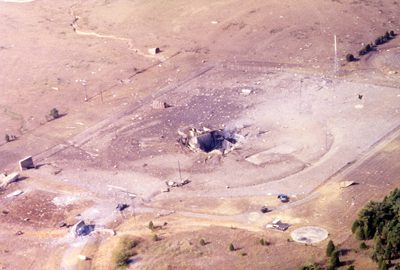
(264, 70)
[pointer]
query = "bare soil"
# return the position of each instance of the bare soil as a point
(307, 125)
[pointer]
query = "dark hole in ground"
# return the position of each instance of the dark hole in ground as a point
(216, 140)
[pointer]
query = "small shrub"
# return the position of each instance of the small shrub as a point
(262, 242)
(155, 238)
(363, 246)
(313, 266)
(54, 113)
(350, 57)
(378, 41)
(231, 247)
(392, 34)
(7, 138)
(151, 225)
(362, 52)
(202, 242)
(244, 254)
(350, 267)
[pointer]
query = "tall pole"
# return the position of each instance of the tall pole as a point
(336, 60)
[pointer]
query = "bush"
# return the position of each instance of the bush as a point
(392, 34)
(54, 113)
(231, 247)
(312, 266)
(202, 242)
(151, 225)
(378, 41)
(7, 138)
(351, 267)
(155, 238)
(355, 226)
(330, 248)
(350, 57)
(363, 246)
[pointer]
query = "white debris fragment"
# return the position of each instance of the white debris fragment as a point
(15, 193)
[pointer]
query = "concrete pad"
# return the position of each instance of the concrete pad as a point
(309, 235)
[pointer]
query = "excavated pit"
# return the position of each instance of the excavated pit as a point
(216, 140)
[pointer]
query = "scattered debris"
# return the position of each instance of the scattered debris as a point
(175, 184)
(345, 184)
(154, 51)
(277, 224)
(5, 180)
(209, 140)
(121, 206)
(15, 193)
(283, 197)
(26, 163)
(19, 233)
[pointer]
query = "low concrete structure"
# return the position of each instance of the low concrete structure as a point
(154, 51)
(26, 163)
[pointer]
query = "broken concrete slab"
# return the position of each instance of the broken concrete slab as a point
(8, 179)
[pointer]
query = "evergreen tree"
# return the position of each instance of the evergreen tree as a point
(330, 248)
(334, 260)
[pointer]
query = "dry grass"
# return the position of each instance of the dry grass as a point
(124, 251)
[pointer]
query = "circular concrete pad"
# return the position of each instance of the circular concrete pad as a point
(309, 235)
